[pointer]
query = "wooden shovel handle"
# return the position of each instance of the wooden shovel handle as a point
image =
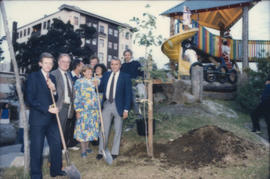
(60, 129)
(100, 113)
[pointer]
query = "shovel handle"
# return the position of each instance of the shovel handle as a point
(60, 130)
(100, 113)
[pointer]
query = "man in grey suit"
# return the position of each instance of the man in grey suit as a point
(116, 88)
(64, 90)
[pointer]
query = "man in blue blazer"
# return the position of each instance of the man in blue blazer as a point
(116, 88)
(42, 119)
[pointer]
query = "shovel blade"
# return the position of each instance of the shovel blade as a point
(107, 156)
(73, 172)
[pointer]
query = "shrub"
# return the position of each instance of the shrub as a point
(249, 93)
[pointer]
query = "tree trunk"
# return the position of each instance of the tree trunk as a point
(150, 109)
(18, 87)
(245, 42)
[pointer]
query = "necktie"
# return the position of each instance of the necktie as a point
(47, 77)
(68, 86)
(111, 89)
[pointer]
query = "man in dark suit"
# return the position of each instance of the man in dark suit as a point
(116, 88)
(262, 110)
(64, 91)
(42, 119)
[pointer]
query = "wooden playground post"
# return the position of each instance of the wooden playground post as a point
(171, 26)
(197, 83)
(245, 41)
(179, 61)
(18, 87)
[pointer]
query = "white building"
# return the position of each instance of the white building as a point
(111, 39)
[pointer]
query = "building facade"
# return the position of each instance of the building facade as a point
(110, 41)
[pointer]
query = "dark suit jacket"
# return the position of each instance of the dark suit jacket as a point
(38, 98)
(123, 91)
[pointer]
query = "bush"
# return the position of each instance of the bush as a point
(249, 93)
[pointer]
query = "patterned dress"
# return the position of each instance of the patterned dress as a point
(87, 126)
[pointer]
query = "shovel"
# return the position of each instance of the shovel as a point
(71, 170)
(106, 153)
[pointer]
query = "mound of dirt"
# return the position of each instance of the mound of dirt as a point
(200, 147)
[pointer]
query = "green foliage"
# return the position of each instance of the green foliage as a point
(144, 28)
(249, 93)
(61, 38)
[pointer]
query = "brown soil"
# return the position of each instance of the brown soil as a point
(208, 145)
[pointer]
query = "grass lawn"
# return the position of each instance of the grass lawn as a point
(171, 125)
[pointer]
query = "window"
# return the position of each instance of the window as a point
(87, 41)
(116, 33)
(24, 32)
(76, 20)
(126, 47)
(110, 31)
(101, 43)
(20, 34)
(44, 25)
(101, 56)
(109, 58)
(127, 35)
(94, 41)
(110, 45)
(95, 25)
(115, 45)
(28, 31)
(48, 24)
(89, 24)
(101, 28)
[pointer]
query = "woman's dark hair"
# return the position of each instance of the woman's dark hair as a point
(75, 63)
(225, 42)
(102, 66)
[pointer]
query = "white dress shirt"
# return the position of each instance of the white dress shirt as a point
(44, 74)
(66, 98)
(114, 86)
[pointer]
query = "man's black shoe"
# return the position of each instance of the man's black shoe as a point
(99, 156)
(114, 157)
(256, 131)
(61, 173)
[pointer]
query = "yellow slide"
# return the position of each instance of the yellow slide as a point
(173, 50)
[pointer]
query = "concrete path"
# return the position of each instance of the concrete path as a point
(10, 156)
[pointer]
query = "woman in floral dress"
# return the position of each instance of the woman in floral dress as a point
(86, 107)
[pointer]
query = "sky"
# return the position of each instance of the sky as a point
(27, 11)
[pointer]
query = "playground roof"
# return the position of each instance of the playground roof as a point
(217, 14)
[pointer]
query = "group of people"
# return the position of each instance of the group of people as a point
(77, 94)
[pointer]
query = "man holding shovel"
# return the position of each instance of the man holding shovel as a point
(116, 88)
(42, 119)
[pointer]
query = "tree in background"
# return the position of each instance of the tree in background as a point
(61, 38)
(144, 36)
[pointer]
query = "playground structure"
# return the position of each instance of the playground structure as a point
(219, 15)
(173, 49)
